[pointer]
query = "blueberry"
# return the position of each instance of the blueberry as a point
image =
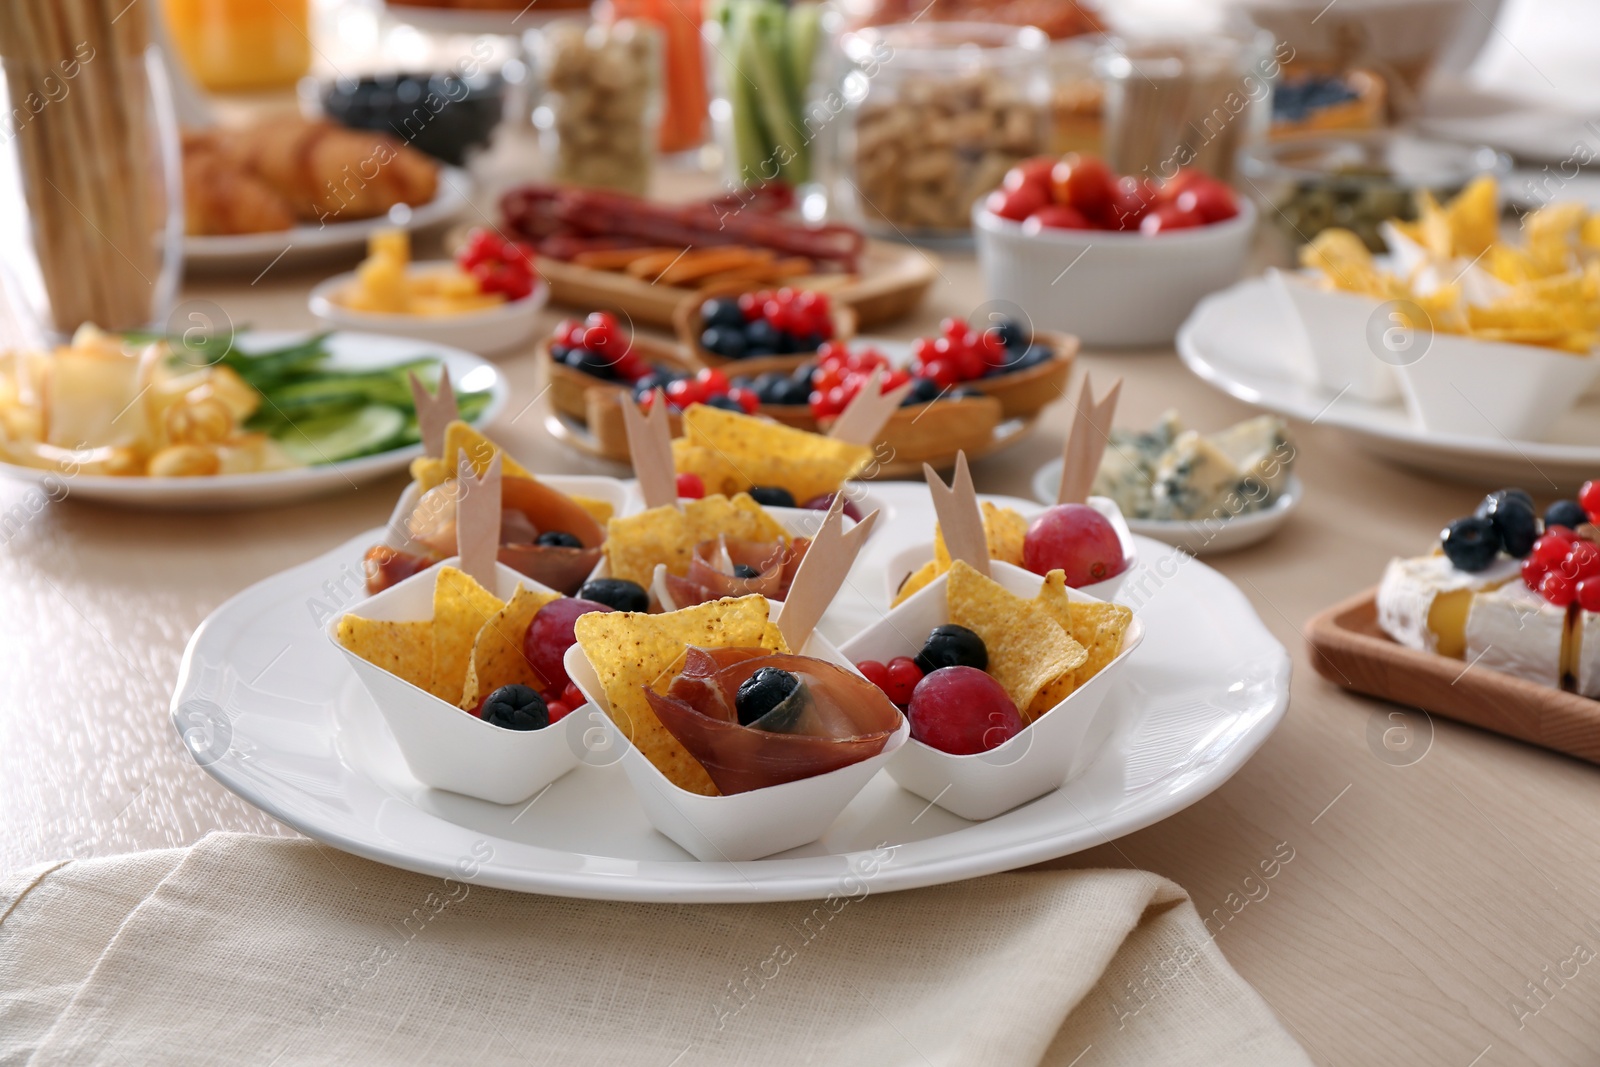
(1514, 521)
(803, 373)
(1011, 334)
(770, 699)
(725, 402)
(809, 343)
(963, 392)
(952, 646)
(744, 570)
(595, 364)
(1033, 356)
(1490, 502)
(559, 539)
(656, 379)
(786, 345)
(1471, 544)
(922, 391)
(795, 393)
(723, 341)
(722, 313)
(772, 496)
(1568, 513)
(769, 388)
(761, 335)
(515, 707)
(617, 593)
(559, 353)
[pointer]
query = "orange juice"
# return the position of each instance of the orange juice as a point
(242, 44)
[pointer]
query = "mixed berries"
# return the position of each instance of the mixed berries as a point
(1075, 539)
(708, 386)
(1561, 562)
(1080, 192)
(951, 703)
(498, 265)
(597, 346)
(962, 354)
(770, 322)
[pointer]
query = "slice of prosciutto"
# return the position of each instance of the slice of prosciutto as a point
(528, 509)
(711, 576)
(835, 718)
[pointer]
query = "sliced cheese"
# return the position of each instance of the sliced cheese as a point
(1424, 602)
(1516, 631)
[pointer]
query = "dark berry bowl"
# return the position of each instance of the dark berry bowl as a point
(1038, 378)
(571, 386)
(688, 321)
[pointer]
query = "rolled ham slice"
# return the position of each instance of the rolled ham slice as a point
(711, 577)
(529, 508)
(834, 719)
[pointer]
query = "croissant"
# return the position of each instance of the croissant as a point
(221, 197)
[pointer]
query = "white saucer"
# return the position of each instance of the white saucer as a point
(301, 739)
(1201, 538)
(1238, 340)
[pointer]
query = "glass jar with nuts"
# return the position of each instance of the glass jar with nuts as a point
(602, 103)
(934, 115)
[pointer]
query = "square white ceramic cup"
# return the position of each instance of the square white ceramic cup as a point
(1330, 330)
(1051, 750)
(444, 746)
(740, 826)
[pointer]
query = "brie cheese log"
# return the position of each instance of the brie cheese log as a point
(1584, 658)
(1423, 602)
(1516, 631)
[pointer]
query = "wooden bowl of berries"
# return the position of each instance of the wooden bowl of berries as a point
(1024, 370)
(594, 359)
(765, 331)
(1118, 260)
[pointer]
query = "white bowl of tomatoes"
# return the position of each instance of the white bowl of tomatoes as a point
(1120, 261)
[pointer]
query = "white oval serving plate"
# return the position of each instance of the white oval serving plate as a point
(273, 712)
(233, 492)
(1237, 341)
(488, 332)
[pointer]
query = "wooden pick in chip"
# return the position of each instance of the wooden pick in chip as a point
(1088, 433)
(822, 572)
(650, 446)
(960, 520)
(478, 521)
(435, 411)
(867, 413)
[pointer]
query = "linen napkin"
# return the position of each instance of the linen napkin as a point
(257, 950)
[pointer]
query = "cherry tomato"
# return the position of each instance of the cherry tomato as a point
(1178, 183)
(1017, 204)
(1212, 201)
(1169, 217)
(1083, 182)
(1035, 171)
(1057, 217)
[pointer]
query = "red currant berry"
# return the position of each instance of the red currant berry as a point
(1550, 549)
(572, 696)
(683, 392)
(904, 674)
(745, 398)
(690, 486)
(1583, 561)
(1533, 572)
(557, 709)
(1589, 499)
(1557, 588)
(1589, 594)
(712, 381)
(877, 673)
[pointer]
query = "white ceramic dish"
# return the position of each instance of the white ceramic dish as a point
(908, 558)
(1110, 288)
(740, 826)
(1053, 749)
(310, 242)
(444, 746)
(1202, 536)
(233, 492)
(275, 714)
(1451, 385)
(1234, 341)
(488, 332)
(508, 22)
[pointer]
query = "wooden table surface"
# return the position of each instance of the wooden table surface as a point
(1442, 908)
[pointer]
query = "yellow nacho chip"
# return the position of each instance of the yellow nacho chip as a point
(460, 608)
(761, 452)
(599, 510)
(636, 543)
(716, 471)
(1027, 648)
(430, 471)
(631, 651)
(404, 649)
(497, 657)
(1053, 599)
(917, 579)
(1099, 628)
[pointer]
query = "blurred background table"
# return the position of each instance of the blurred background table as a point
(1433, 906)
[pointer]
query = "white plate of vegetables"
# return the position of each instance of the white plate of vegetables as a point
(259, 417)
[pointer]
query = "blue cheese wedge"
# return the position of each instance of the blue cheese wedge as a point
(1424, 602)
(1516, 631)
(1128, 468)
(1233, 472)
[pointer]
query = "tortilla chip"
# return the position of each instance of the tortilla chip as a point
(631, 651)
(917, 579)
(1055, 602)
(1028, 649)
(497, 657)
(599, 510)
(404, 649)
(1004, 529)
(430, 471)
(1099, 627)
(460, 608)
(766, 453)
(717, 473)
(667, 535)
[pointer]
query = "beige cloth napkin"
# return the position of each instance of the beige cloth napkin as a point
(255, 950)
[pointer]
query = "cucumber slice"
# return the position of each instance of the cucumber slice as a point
(332, 438)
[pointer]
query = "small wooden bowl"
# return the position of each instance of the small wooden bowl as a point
(1024, 393)
(686, 320)
(570, 388)
(935, 431)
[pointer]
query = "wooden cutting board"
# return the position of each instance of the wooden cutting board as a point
(1347, 647)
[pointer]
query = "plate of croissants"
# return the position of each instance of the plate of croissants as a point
(296, 187)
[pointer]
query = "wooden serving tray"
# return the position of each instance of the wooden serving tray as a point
(1347, 648)
(891, 282)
